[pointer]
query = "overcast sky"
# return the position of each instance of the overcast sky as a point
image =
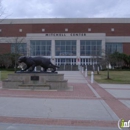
(66, 8)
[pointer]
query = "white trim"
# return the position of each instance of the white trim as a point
(65, 20)
(65, 57)
(118, 39)
(12, 39)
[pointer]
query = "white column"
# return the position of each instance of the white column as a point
(78, 51)
(103, 45)
(28, 47)
(85, 61)
(53, 51)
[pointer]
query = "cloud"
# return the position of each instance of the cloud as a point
(66, 8)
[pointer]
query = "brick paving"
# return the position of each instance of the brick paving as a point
(80, 91)
(118, 107)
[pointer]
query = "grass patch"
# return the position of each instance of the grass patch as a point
(4, 74)
(116, 77)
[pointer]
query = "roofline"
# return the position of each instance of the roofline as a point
(63, 20)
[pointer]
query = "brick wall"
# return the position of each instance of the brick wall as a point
(126, 48)
(5, 48)
(121, 29)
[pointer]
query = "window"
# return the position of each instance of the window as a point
(114, 47)
(112, 29)
(66, 29)
(90, 47)
(20, 48)
(20, 30)
(43, 29)
(89, 29)
(40, 47)
(65, 47)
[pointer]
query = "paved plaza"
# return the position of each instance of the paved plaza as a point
(84, 106)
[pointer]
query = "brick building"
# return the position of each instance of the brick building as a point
(66, 40)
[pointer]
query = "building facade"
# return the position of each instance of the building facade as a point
(67, 41)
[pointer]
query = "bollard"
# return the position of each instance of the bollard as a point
(101, 67)
(82, 69)
(98, 69)
(92, 77)
(86, 73)
(35, 69)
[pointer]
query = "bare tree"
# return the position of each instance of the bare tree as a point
(106, 60)
(16, 48)
(96, 58)
(2, 12)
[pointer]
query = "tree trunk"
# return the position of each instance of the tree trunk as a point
(108, 76)
(15, 64)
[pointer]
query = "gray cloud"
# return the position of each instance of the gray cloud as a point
(66, 8)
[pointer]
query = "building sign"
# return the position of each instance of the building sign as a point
(65, 34)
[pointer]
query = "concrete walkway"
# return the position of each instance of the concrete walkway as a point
(86, 107)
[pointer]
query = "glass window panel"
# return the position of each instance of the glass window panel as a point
(43, 43)
(87, 43)
(93, 47)
(82, 42)
(98, 53)
(73, 43)
(93, 42)
(32, 42)
(62, 43)
(43, 48)
(98, 47)
(68, 43)
(74, 52)
(40, 47)
(48, 48)
(57, 42)
(63, 48)
(93, 53)
(112, 47)
(82, 47)
(99, 42)
(87, 47)
(48, 43)
(68, 48)
(73, 48)
(38, 43)
(82, 53)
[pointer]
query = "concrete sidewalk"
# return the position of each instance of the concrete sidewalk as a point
(87, 107)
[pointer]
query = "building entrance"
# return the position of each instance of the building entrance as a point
(66, 63)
